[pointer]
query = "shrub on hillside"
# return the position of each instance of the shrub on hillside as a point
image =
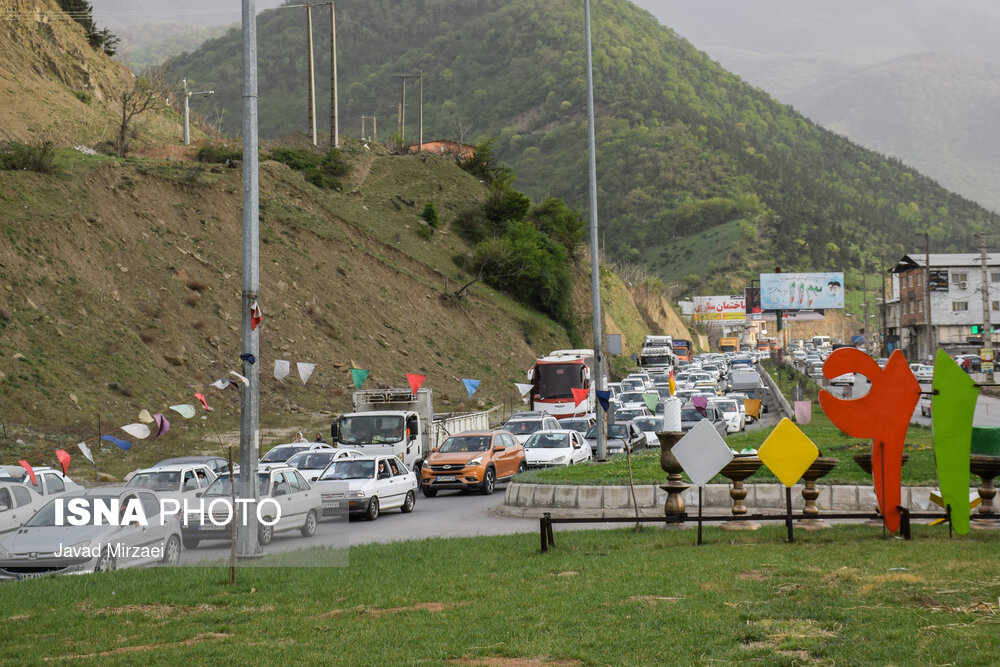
(217, 154)
(430, 215)
(323, 171)
(18, 157)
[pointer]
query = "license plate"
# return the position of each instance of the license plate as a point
(331, 504)
(446, 478)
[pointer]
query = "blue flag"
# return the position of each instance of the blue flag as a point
(605, 398)
(122, 444)
(471, 386)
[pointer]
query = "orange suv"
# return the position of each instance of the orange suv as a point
(474, 460)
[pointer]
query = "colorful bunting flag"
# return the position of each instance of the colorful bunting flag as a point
(255, 316)
(31, 471)
(85, 450)
(305, 370)
(803, 412)
(281, 369)
(523, 388)
(201, 397)
(579, 395)
(246, 382)
(184, 410)
(358, 376)
(700, 404)
(123, 445)
(145, 417)
(64, 459)
(672, 383)
(651, 399)
(471, 386)
(162, 425)
(140, 431)
(415, 381)
(221, 383)
(604, 397)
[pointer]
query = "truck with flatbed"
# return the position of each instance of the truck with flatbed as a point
(401, 423)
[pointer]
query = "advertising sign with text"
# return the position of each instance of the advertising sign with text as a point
(795, 291)
(720, 309)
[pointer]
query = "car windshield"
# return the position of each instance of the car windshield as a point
(310, 460)
(558, 380)
(691, 415)
(156, 481)
(523, 427)
(630, 397)
(282, 453)
(614, 431)
(649, 423)
(727, 406)
(469, 443)
(349, 469)
(547, 441)
(222, 486)
(578, 425)
(47, 515)
(370, 429)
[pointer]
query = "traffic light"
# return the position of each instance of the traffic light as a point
(978, 329)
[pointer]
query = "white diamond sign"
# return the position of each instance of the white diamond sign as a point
(702, 453)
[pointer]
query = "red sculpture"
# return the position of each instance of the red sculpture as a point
(883, 414)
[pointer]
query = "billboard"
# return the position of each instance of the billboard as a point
(720, 309)
(939, 280)
(795, 291)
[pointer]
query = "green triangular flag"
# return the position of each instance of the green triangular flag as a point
(359, 376)
(651, 400)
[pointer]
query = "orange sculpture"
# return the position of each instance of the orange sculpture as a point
(883, 414)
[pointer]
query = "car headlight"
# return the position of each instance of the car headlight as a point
(355, 494)
(476, 461)
(426, 464)
(559, 459)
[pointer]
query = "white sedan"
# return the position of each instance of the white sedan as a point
(924, 373)
(17, 504)
(366, 485)
(562, 447)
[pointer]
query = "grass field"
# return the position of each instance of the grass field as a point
(840, 596)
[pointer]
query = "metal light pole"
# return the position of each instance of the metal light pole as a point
(987, 325)
(595, 273)
(247, 545)
(187, 109)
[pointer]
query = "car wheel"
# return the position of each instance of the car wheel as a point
(172, 551)
(265, 533)
(521, 467)
(309, 527)
(190, 542)
(372, 513)
(106, 562)
(408, 502)
(429, 492)
(489, 482)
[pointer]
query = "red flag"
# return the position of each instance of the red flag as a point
(201, 397)
(415, 381)
(255, 316)
(579, 395)
(64, 459)
(31, 471)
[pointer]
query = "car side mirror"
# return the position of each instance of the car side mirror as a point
(313, 479)
(577, 445)
(199, 494)
(499, 448)
(334, 431)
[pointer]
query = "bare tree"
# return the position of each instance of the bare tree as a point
(136, 95)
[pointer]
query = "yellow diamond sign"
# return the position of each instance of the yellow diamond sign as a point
(787, 452)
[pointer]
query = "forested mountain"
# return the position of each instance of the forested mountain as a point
(684, 147)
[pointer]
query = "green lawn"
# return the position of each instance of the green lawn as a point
(840, 596)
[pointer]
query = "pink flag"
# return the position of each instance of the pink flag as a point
(803, 411)
(580, 395)
(64, 459)
(162, 425)
(31, 471)
(255, 316)
(201, 397)
(415, 381)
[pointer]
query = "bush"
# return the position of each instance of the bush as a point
(320, 170)
(217, 154)
(430, 215)
(24, 157)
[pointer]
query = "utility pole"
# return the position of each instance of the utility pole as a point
(882, 347)
(187, 109)
(987, 326)
(334, 110)
(868, 331)
(595, 269)
(374, 128)
(401, 127)
(927, 297)
(312, 74)
(420, 117)
(247, 544)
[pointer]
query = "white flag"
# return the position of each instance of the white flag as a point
(85, 450)
(140, 431)
(145, 417)
(221, 383)
(246, 382)
(305, 370)
(281, 369)
(523, 388)
(184, 410)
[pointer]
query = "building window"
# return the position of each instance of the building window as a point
(995, 276)
(920, 306)
(995, 305)
(909, 280)
(959, 306)
(920, 280)
(959, 278)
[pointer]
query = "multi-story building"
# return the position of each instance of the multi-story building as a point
(956, 291)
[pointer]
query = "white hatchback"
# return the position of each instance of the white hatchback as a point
(366, 485)
(562, 447)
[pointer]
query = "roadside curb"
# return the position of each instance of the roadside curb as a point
(564, 500)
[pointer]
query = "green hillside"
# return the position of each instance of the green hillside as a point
(683, 146)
